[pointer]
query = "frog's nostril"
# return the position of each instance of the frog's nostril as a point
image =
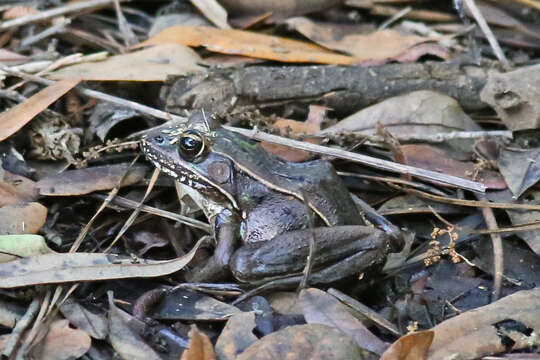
(159, 139)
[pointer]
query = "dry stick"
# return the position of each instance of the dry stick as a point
(19, 328)
(498, 259)
(364, 159)
(127, 203)
(29, 339)
(54, 12)
(487, 32)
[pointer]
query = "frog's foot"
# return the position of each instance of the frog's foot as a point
(217, 267)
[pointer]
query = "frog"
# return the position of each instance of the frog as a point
(265, 211)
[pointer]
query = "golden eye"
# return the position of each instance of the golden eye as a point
(191, 144)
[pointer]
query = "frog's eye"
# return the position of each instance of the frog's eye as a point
(191, 144)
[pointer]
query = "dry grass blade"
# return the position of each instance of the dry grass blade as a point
(363, 159)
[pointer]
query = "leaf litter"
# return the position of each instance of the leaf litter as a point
(411, 83)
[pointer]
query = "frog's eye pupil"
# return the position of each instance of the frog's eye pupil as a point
(159, 139)
(191, 144)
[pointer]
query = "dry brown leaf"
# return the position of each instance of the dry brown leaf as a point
(94, 324)
(281, 8)
(379, 45)
(19, 11)
(474, 334)
(322, 308)
(62, 342)
(200, 347)
(239, 42)
(84, 181)
(423, 112)
(295, 128)
(237, 335)
(125, 340)
(413, 346)
(153, 64)
(19, 115)
(16, 188)
(68, 267)
(432, 158)
(300, 342)
(22, 218)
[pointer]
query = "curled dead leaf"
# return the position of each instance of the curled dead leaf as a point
(239, 42)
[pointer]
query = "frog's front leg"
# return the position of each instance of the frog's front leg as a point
(286, 254)
(226, 234)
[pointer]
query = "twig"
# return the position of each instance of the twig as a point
(21, 326)
(469, 203)
(121, 201)
(498, 258)
(54, 12)
(56, 28)
(456, 135)
(101, 96)
(364, 159)
(487, 32)
(395, 18)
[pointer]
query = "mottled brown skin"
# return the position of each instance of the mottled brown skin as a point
(261, 200)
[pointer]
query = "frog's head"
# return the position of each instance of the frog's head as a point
(184, 152)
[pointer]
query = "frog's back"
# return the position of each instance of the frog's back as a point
(316, 179)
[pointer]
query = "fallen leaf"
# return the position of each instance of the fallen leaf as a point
(16, 188)
(322, 308)
(85, 181)
(474, 334)
(22, 218)
(435, 159)
(285, 302)
(68, 267)
(19, 11)
(13, 247)
(125, 340)
(511, 96)
(520, 217)
(419, 112)
(281, 8)
(239, 42)
(312, 341)
(237, 335)
(62, 343)
(379, 45)
(94, 324)
(16, 117)
(520, 168)
(200, 347)
(415, 52)
(213, 12)
(288, 127)
(413, 346)
(189, 305)
(152, 64)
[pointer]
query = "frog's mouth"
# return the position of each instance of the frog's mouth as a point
(158, 159)
(161, 157)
